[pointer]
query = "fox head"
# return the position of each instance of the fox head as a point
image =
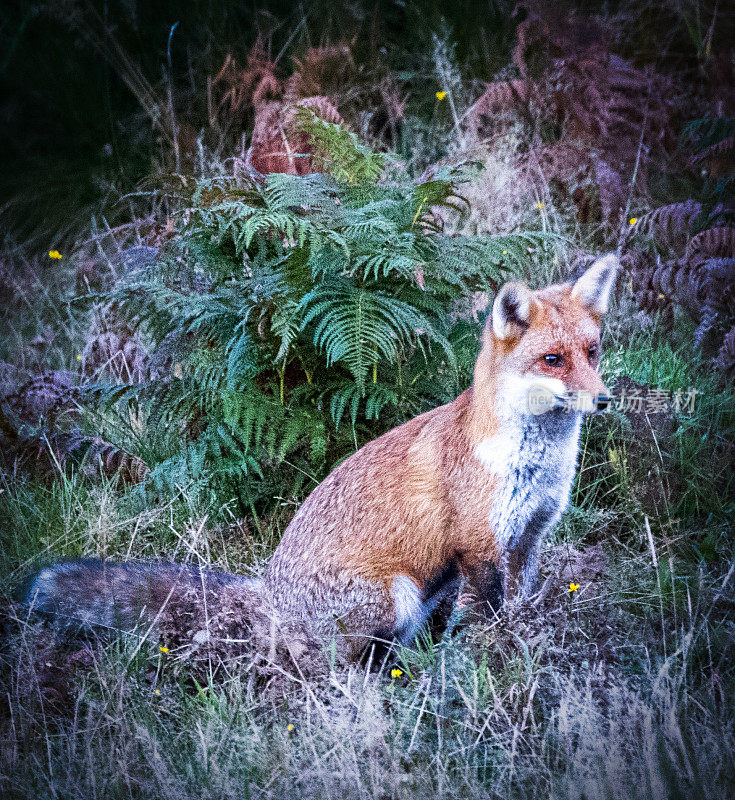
(541, 349)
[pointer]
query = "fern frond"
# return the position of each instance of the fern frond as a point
(314, 192)
(348, 395)
(339, 151)
(356, 326)
(282, 308)
(712, 243)
(286, 324)
(671, 221)
(241, 357)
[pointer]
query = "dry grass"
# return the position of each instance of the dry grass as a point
(615, 690)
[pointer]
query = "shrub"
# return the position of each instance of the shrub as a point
(301, 315)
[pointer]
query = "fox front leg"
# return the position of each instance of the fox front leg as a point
(521, 562)
(521, 570)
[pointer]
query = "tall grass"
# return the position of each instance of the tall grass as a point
(487, 712)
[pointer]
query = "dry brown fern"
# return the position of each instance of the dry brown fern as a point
(692, 285)
(323, 108)
(651, 283)
(39, 425)
(369, 97)
(571, 77)
(712, 282)
(117, 351)
(725, 148)
(500, 97)
(278, 145)
(705, 290)
(97, 456)
(712, 243)
(610, 116)
(45, 398)
(670, 224)
(725, 360)
(322, 70)
(548, 31)
(235, 90)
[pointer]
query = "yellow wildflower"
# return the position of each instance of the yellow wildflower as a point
(441, 95)
(157, 691)
(79, 358)
(55, 254)
(573, 587)
(289, 727)
(163, 649)
(396, 673)
(660, 297)
(633, 220)
(505, 252)
(539, 205)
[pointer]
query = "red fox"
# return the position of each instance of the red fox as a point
(465, 492)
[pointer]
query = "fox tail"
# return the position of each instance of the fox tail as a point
(92, 594)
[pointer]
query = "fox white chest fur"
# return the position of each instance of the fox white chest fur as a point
(534, 459)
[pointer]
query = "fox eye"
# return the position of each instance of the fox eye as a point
(592, 352)
(553, 359)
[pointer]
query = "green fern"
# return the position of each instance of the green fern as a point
(339, 151)
(357, 326)
(297, 304)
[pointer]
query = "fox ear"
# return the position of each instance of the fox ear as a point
(512, 310)
(595, 285)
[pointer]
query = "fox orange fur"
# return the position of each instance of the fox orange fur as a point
(466, 491)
